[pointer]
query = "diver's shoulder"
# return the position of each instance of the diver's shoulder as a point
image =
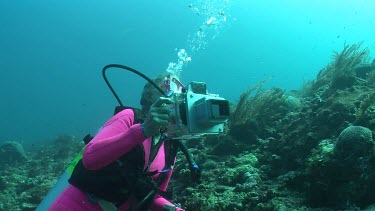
(126, 113)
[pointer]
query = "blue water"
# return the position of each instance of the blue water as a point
(52, 53)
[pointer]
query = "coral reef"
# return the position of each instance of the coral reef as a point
(23, 185)
(313, 147)
(343, 170)
(251, 117)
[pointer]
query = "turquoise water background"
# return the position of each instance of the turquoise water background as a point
(52, 53)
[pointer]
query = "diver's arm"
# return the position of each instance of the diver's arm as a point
(163, 204)
(117, 137)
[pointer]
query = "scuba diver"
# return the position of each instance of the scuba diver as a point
(129, 162)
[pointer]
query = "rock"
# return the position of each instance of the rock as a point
(293, 103)
(11, 151)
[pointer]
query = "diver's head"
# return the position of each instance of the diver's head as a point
(150, 94)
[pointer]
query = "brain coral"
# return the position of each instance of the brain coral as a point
(354, 142)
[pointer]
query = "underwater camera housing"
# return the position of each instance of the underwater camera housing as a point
(196, 113)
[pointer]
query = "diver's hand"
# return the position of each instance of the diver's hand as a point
(157, 117)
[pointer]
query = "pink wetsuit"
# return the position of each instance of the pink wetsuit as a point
(118, 136)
